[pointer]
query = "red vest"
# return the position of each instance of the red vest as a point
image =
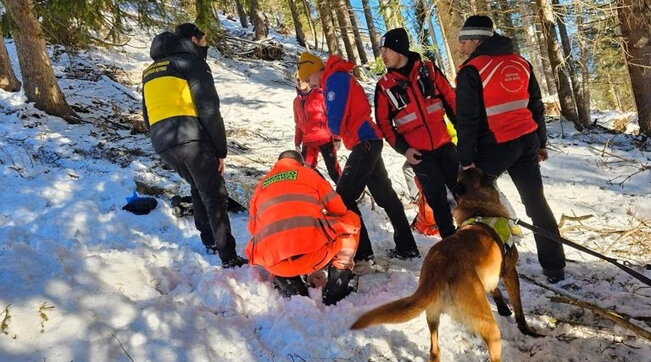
(505, 82)
(310, 118)
(417, 118)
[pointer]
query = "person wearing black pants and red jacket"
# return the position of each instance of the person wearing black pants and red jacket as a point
(501, 126)
(410, 102)
(181, 111)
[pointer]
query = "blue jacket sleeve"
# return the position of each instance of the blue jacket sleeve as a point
(336, 93)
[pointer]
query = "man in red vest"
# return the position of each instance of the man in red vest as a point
(410, 102)
(300, 225)
(348, 113)
(501, 126)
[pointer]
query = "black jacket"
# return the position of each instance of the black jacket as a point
(180, 103)
(472, 124)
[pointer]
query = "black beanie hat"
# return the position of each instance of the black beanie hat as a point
(477, 27)
(188, 30)
(396, 40)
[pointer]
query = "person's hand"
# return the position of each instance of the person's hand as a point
(298, 148)
(542, 154)
(472, 165)
(337, 144)
(220, 166)
(413, 156)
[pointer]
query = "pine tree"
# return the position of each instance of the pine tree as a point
(38, 77)
(298, 27)
(372, 33)
(241, 13)
(8, 80)
(328, 27)
(260, 28)
(345, 28)
(358, 36)
(635, 22)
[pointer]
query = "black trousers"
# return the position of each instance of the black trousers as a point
(329, 158)
(520, 158)
(366, 168)
(196, 163)
(438, 169)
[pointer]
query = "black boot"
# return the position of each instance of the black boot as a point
(290, 286)
(340, 283)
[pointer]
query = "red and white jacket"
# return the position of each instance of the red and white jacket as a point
(505, 81)
(410, 110)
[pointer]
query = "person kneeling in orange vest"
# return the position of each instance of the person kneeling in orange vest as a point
(300, 226)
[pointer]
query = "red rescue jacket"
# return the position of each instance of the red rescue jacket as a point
(410, 110)
(310, 118)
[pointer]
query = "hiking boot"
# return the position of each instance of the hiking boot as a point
(340, 283)
(554, 275)
(403, 255)
(290, 286)
(364, 257)
(236, 261)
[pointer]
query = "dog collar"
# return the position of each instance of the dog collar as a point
(499, 224)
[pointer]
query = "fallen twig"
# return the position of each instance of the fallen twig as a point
(616, 318)
(121, 346)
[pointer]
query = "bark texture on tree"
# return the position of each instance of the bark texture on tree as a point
(328, 28)
(564, 87)
(345, 28)
(298, 27)
(451, 22)
(372, 33)
(358, 36)
(635, 22)
(8, 80)
(260, 28)
(241, 13)
(38, 76)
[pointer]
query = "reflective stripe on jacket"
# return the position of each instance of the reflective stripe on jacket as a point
(505, 82)
(404, 109)
(286, 214)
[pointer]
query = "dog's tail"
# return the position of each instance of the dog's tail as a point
(407, 308)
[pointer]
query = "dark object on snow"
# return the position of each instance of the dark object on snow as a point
(290, 286)
(182, 206)
(140, 205)
(340, 283)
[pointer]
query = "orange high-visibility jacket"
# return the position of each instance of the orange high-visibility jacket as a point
(286, 214)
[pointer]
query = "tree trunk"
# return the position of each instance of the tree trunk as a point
(328, 29)
(298, 27)
(533, 50)
(437, 51)
(583, 118)
(8, 80)
(372, 33)
(206, 21)
(390, 10)
(451, 22)
(260, 28)
(503, 13)
(635, 23)
(583, 59)
(345, 29)
(358, 37)
(38, 77)
(241, 13)
(548, 71)
(310, 22)
(565, 96)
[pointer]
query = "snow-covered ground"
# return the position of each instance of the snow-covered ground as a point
(81, 279)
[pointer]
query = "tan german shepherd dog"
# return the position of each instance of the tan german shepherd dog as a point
(459, 271)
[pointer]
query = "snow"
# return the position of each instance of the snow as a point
(81, 279)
